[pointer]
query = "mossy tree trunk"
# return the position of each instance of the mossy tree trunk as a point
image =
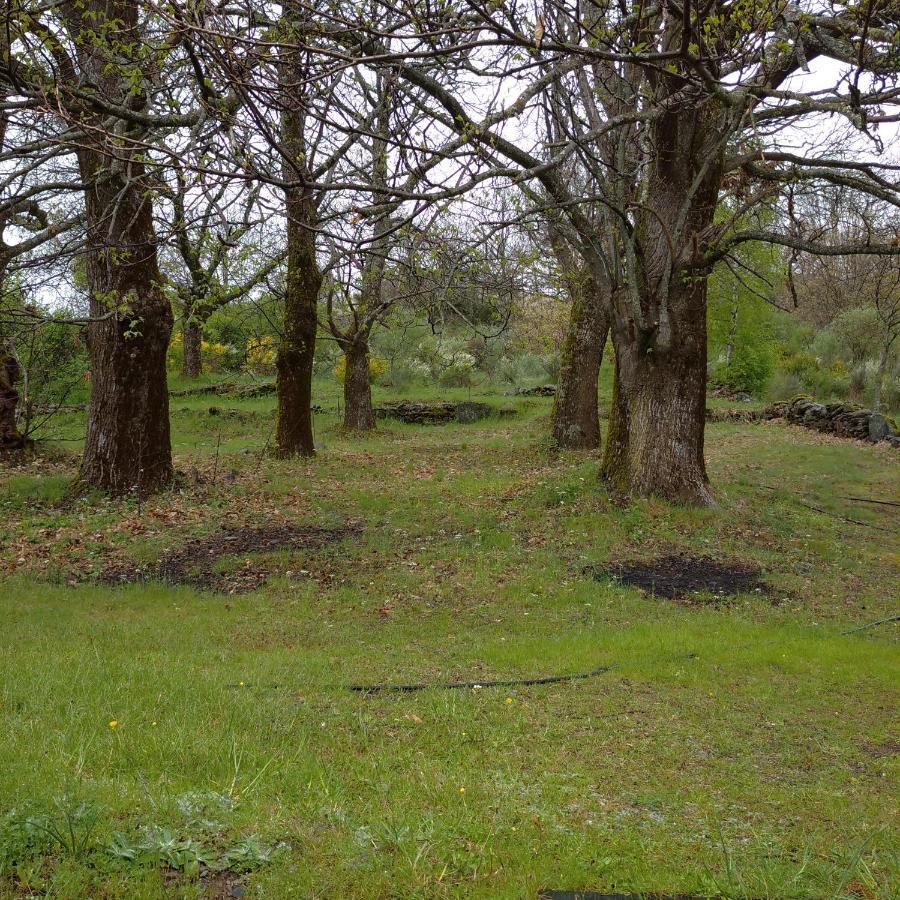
(358, 412)
(576, 419)
(296, 351)
(127, 445)
(192, 339)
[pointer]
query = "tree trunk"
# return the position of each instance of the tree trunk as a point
(10, 375)
(660, 315)
(879, 378)
(294, 428)
(664, 396)
(127, 446)
(576, 421)
(358, 412)
(614, 469)
(192, 361)
(294, 431)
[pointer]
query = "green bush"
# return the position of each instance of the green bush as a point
(749, 370)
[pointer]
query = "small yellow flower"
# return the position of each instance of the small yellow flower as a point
(508, 700)
(242, 684)
(462, 790)
(114, 723)
(153, 724)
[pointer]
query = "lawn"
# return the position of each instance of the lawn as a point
(165, 740)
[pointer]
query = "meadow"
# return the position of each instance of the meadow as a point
(161, 739)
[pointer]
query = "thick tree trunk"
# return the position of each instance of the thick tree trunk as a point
(191, 338)
(127, 446)
(663, 393)
(10, 375)
(358, 412)
(294, 430)
(576, 421)
(660, 315)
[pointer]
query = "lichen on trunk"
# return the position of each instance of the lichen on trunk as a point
(191, 342)
(576, 420)
(358, 412)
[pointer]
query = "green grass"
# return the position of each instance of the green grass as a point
(746, 751)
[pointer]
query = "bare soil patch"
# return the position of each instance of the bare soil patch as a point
(700, 580)
(196, 561)
(215, 885)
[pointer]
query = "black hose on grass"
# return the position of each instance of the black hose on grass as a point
(827, 512)
(475, 685)
(549, 679)
(872, 624)
(383, 688)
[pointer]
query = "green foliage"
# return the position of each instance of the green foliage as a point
(742, 327)
(67, 829)
(749, 370)
(52, 354)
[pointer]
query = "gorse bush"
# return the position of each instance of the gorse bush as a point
(262, 355)
(378, 368)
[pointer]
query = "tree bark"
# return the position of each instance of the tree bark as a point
(661, 396)
(614, 469)
(10, 375)
(660, 315)
(127, 446)
(576, 420)
(294, 364)
(192, 360)
(294, 431)
(358, 412)
(879, 377)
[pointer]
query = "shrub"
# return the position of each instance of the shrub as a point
(262, 354)
(749, 370)
(378, 368)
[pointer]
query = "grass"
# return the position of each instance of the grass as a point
(746, 750)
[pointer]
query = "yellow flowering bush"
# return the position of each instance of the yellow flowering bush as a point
(261, 355)
(175, 353)
(215, 356)
(378, 366)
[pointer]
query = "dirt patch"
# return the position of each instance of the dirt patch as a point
(194, 563)
(688, 578)
(881, 751)
(214, 884)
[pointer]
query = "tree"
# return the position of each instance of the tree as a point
(83, 78)
(23, 212)
(664, 102)
(858, 294)
(576, 419)
(217, 260)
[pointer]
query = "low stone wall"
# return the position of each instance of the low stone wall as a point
(436, 413)
(840, 419)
